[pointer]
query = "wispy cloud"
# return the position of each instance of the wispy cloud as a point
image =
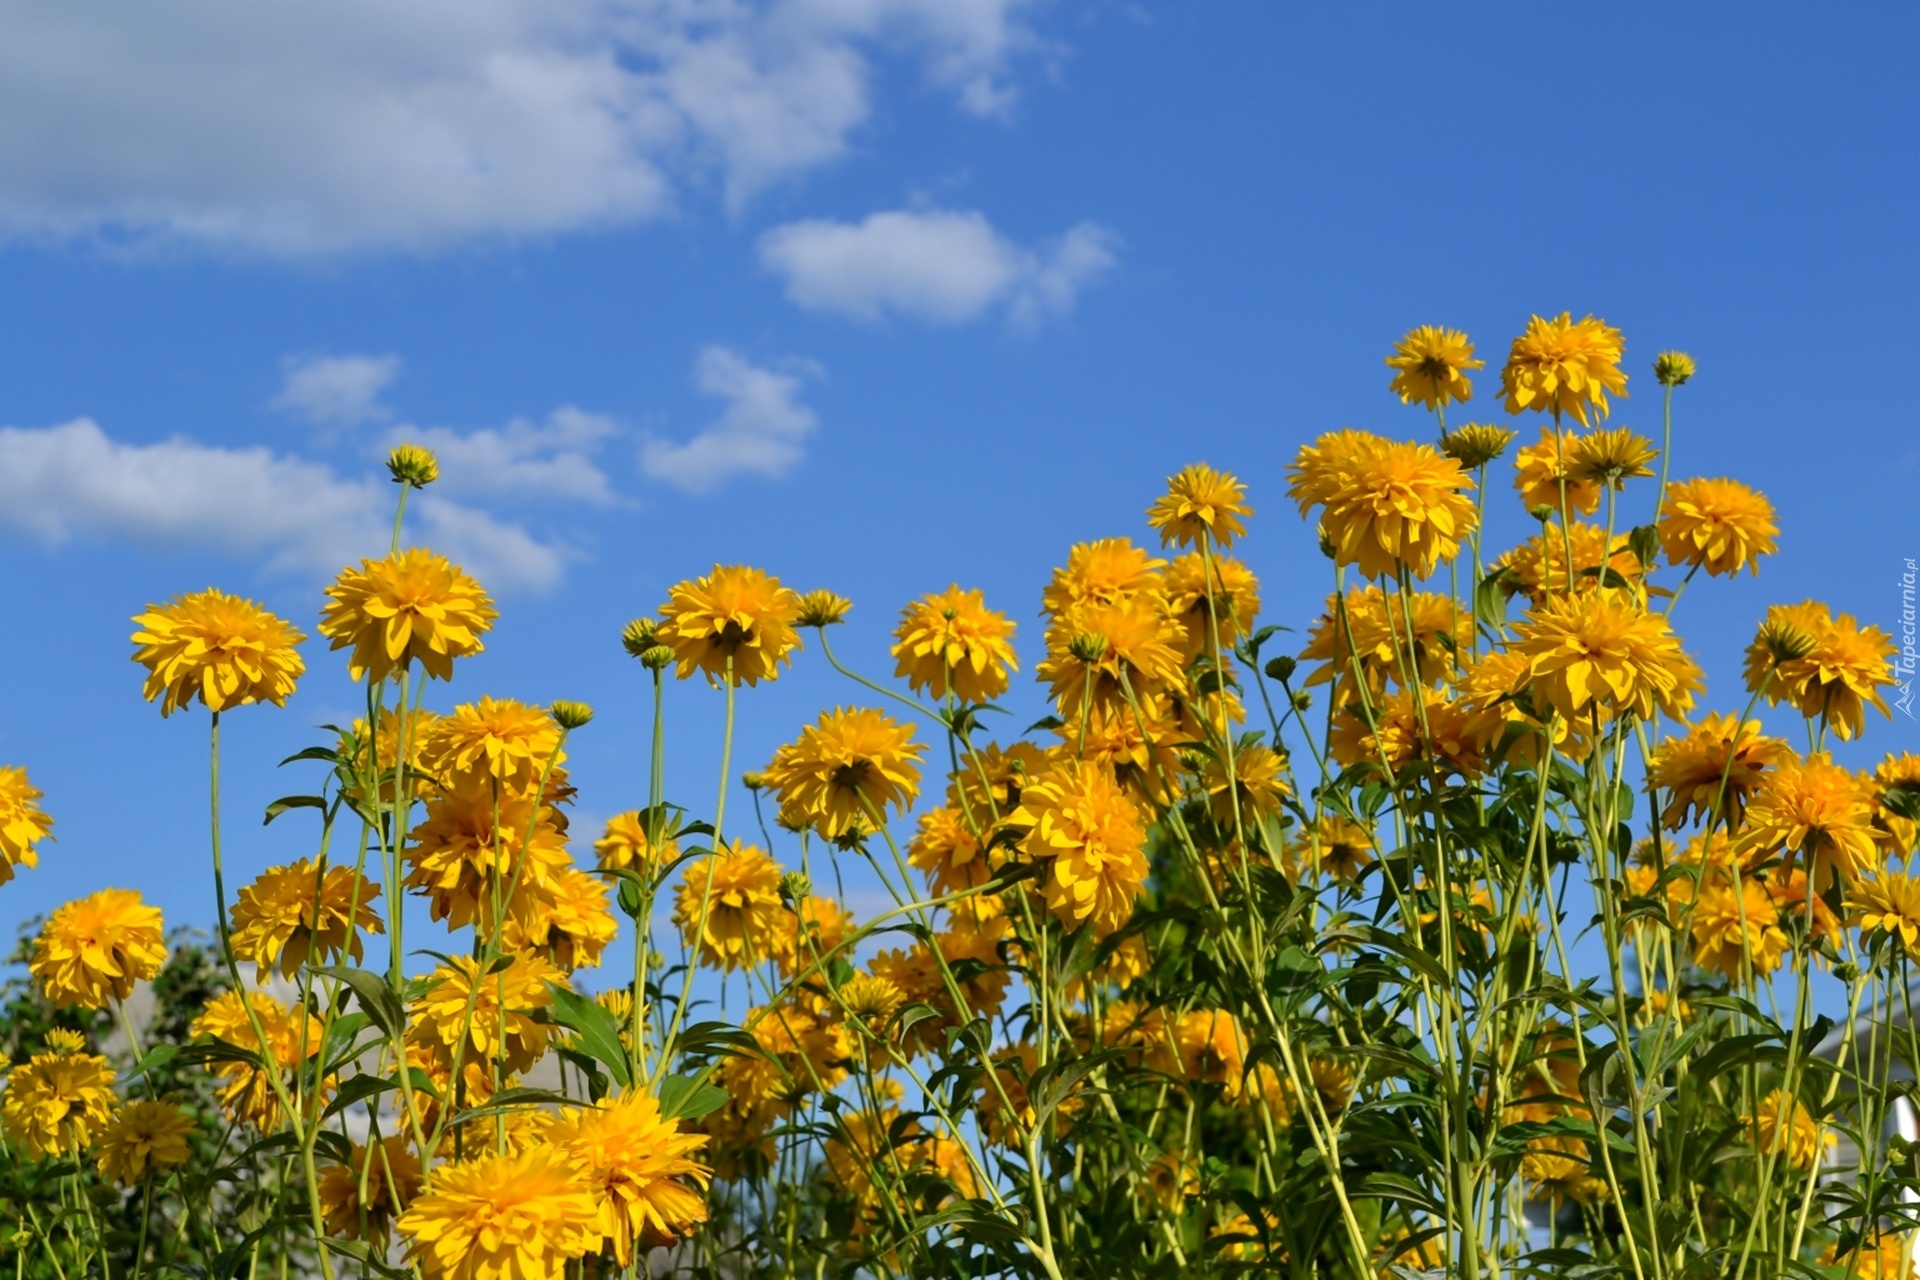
(554, 458)
(763, 430)
(337, 392)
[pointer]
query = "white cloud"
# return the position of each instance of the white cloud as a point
(74, 481)
(763, 430)
(338, 392)
(550, 459)
(937, 265)
(304, 129)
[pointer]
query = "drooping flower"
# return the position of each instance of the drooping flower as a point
(392, 1176)
(625, 846)
(1711, 771)
(1565, 366)
(736, 619)
(519, 1216)
(1475, 444)
(293, 914)
(411, 606)
(870, 1000)
(221, 650)
(57, 1101)
(1090, 834)
(1815, 809)
(1781, 1126)
(1720, 525)
(637, 1164)
(1389, 503)
(498, 739)
(951, 641)
(496, 1012)
(1836, 678)
(1541, 468)
(729, 901)
(1603, 649)
(1430, 367)
(845, 772)
(1200, 503)
(144, 1138)
(92, 951)
(22, 823)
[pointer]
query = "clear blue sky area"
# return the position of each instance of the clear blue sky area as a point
(879, 297)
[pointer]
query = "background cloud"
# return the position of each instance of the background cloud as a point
(549, 459)
(357, 124)
(942, 266)
(338, 392)
(763, 430)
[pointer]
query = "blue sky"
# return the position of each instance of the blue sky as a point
(877, 294)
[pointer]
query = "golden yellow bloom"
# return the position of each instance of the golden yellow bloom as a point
(1673, 368)
(1247, 1240)
(739, 886)
(823, 609)
(294, 914)
(503, 1003)
(871, 1000)
(1393, 503)
(1430, 367)
(812, 928)
(1476, 444)
(502, 1217)
(735, 619)
(1837, 678)
(499, 739)
(57, 1101)
(1338, 846)
(1258, 788)
(1816, 809)
(392, 1175)
(1557, 1170)
(637, 1164)
(1736, 930)
(143, 1138)
(374, 757)
(570, 923)
(1138, 650)
(845, 772)
(290, 1038)
(411, 606)
(1222, 611)
(1441, 728)
(952, 640)
(1200, 503)
(947, 850)
(1540, 467)
(1782, 1126)
(92, 951)
(1610, 456)
(1170, 1180)
(22, 824)
(472, 840)
(1093, 839)
(1103, 572)
(1706, 773)
(1537, 568)
(625, 846)
(225, 651)
(411, 464)
(1719, 525)
(1564, 367)
(1896, 773)
(1890, 904)
(1370, 628)
(1603, 649)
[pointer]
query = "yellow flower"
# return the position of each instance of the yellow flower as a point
(1258, 788)
(1249, 1241)
(499, 739)
(57, 1101)
(392, 1175)
(846, 771)
(1899, 773)
(1170, 1180)
(1229, 604)
(1392, 503)
(1540, 467)
(290, 1038)
(952, 640)
(1200, 503)
(294, 914)
(1612, 455)
(1136, 649)
(1537, 568)
(1105, 571)
(1338, 846)
(1673, 368)
(947, 850)
(1476, 444)
(625, 846)
(1719, 525)
(1430, 367)
(1837, 679)
(739, 886)
(1093, 841)
(374, 758)
(871, 1000)
(497, 1011)
(814, 927)
(735, 619)
(92, 951)
(224, 650)
(1891, 905)
(410, 464)
(519, 1216)
(1558, 1169)
(22, 824)
(1448, 731)
(1369, 628)
(1705, 774)
(144, 1138)
(1602, 649)
(1564, 367)
(413, 605)
(637, 1165)
(1736, 930)
(1782, 1126)
(570, 924)
(471, 839)
(1816, 808)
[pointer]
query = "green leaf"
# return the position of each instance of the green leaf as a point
(328, 754)
(285, 803)
(598, 1033)
(377, 1000)
(684, 1098)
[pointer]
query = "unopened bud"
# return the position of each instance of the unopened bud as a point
(1088, 646)
(1672, 368)
(657, 658)
(795, 887)
(411, 464)
(640, 635)
(570, 715)
(1281, 668)
(822, 609)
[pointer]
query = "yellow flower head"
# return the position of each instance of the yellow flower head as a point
(846, 771)
(144, 1138)
(1430, 367)
(1816, 808)
(1257, 789)
(1537, 568)
(1673, 368)
(739, 887)
(638, 1166)
(92, 951)
(1338, 846)
(1558, 1169)
(1899, 773)
(411, 464)
(1736, 931)
(1105, 571)
(374, 758)
(1783, 1127)
(1221, 610)
(947, 850)
(1890, 904)
(1451, 732)
(1200, 503)
(22, 824)
(1719, 525)
(294, 914)
(520, 1216)
(625, 846)
(1712, 770)
(1369, 629)
(951, 640)
(1137, 648)
(1170, 1180)
(496, 1010)
(470, 837)
(413, 605)
(1610, 456)
(1090, 834)
(1837, 679)
(57, 1102)
(823, 609)
(570, 923)
(1603, 649)
(871, 1000)
(735, 619)
(1539, 469)
(1565, 366)
(499, 739)
(290, 1037)
(392, 1175)
(1476, 444)
(1389, 503)
(224, 650)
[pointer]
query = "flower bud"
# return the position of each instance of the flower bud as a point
(1088, 646)
(1672, 368)
(570, 715)
(657, 658)
(795, 887)
(822, 609)
(411, 464)
(1281, 668)
(640, 635)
